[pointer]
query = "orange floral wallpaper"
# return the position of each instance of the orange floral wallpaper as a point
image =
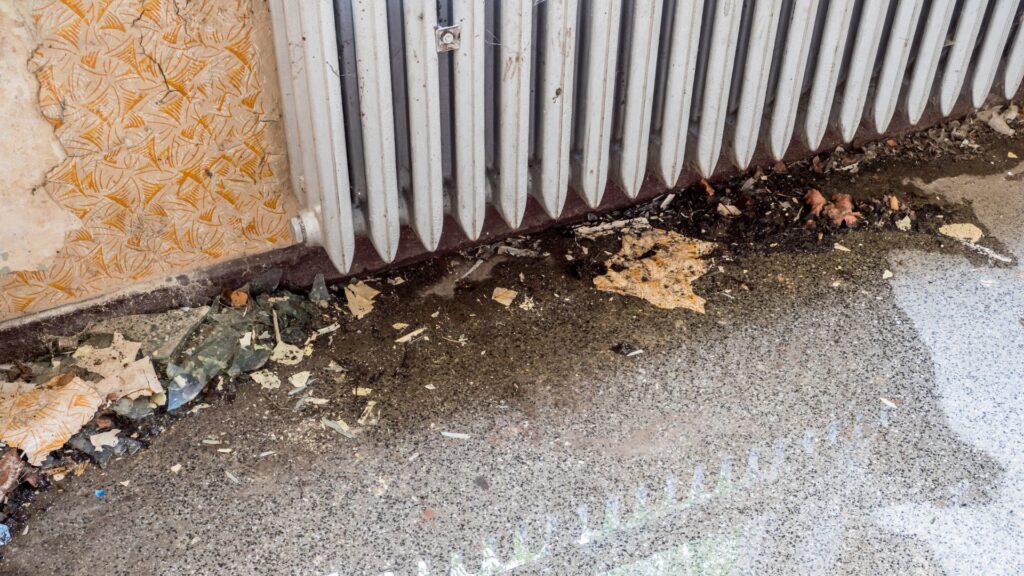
(174, 158)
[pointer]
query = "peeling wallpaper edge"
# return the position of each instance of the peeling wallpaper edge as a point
(170, 114)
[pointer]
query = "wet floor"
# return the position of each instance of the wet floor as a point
(820, 418)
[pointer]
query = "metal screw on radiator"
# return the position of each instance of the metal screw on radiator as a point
(448, 38)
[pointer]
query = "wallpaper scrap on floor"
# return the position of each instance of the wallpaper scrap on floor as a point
(172, 161)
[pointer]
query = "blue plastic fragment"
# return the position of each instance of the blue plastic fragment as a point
(101, 493)
(5, 534)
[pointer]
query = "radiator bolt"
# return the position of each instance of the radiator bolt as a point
(448, 38)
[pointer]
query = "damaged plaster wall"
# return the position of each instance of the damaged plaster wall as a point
(32, 225)
(167, 111)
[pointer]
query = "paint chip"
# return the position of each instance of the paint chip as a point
(108, 438)
(299, 379)
(504, 296)
(408, 337)
(359, 297)
(266, 379)
(964, 232)
(287, 354)
(659, 266)
(370, 415)
(338, 426)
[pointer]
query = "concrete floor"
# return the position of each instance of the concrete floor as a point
(821, 421)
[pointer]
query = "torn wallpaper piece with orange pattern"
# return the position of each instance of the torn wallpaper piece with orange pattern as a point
(40, 420)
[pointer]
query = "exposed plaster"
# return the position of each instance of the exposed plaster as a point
(32, 226)
(174, 157)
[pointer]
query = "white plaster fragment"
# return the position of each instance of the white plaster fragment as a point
(32, 226)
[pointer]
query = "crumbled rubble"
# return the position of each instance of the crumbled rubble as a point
(791, 204)
(104, 393)
(160, 336)
(659, 266)
(109, 389)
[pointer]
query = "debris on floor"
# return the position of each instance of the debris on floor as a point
(626, 349)
(160, 336)
(318, 292)
(461, 340)
(11, 467)
(191, 375)
(91, 397)
(659, 266)
(964, 232)
(266, 379)
(108, 438)
(504, 296)
(997, 119)
(632, 225)
(40, 419)
(359, 297)
(138, 379)
(299, 379)
(728, 210)
(287, 354)
(105, 448)
(123, 376)
(109, 359)
(518, 252)
(370, 415)
(815, 201)
(123, 379)
(839, 211)
(338, 426)
(239, 298)
(410, 336)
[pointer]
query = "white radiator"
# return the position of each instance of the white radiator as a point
(398, 112)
